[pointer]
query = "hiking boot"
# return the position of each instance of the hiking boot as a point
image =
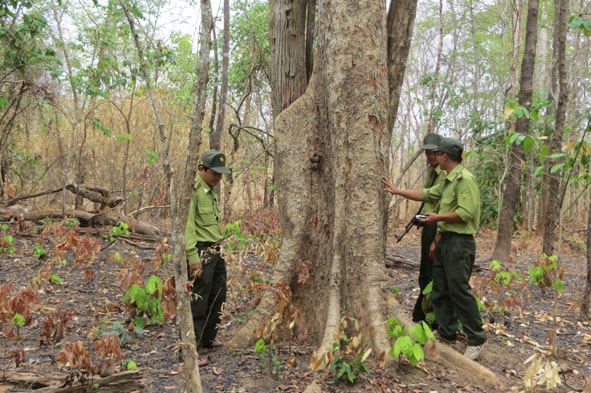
(473, 351)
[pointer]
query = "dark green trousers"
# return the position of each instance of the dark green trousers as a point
(425, 270)
(453, 298)
(209, 295)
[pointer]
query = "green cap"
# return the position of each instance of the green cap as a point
(452, 147)
(431, 141)
(215, 161)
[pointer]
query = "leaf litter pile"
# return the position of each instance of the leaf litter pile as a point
(88, 307)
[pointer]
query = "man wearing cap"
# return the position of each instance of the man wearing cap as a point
(454, 248)
(207, 268)
(434, 176)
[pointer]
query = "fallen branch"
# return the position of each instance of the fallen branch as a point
(87, 219)
(126, 381)
(92, 193)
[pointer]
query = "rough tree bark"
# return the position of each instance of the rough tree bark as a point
(332, 150)
(511, 196)
(559, 84)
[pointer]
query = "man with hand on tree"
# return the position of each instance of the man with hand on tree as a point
(207, 268)
(454, 247)
(434, 176)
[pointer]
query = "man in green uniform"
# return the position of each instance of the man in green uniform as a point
(203, 234)
(434, 176)
(454, 248)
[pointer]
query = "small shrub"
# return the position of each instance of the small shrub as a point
(269, 355)
(348, 352)
(147, 300)
(544, 273)
(409, 343)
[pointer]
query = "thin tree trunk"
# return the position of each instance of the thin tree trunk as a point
(512, 194)
(586, 298)
(560, 84)
(180, 212)
(215, 137)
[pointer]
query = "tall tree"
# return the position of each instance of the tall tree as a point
(332, 150)
(215, 136)
(559, 89)
(511, 195)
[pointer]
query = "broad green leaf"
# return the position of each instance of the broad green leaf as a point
(556, 167)
(557, 155)
(154, 286)
(528, 143)
(131, 365)
(259, 346)
(18, 320)
(420, 335)
(405, 345)
(418, 352)
(396, 350)
(140, 322)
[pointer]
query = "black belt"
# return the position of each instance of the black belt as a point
(454, 234)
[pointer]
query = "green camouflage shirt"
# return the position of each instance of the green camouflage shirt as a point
(203, 223)
(458, 193)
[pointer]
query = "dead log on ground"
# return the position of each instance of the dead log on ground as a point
(94, 194)
(398, 261)
(126, 381)
(111, 218)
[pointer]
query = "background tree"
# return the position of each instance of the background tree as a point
(511, 195)
(559, 88)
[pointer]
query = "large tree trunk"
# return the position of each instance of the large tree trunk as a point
(559, 83)
(287, 28)
(512, 193)
(332, 149)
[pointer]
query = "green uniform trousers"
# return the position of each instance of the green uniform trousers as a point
(425, 271)
(453, 298)
(209, 295)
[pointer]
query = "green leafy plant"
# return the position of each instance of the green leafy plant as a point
(55, 279)
(544, 273)
(234, 232)
(18, 320)
(506, 290)
(121, 229)
(408, 343)
(72, 222)
(115, 328)
(6, 241)
(146, 300)
(39, 251)
(348, 354)
(130, 364)
(269, 355)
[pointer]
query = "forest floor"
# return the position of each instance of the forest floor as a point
(87, 297)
